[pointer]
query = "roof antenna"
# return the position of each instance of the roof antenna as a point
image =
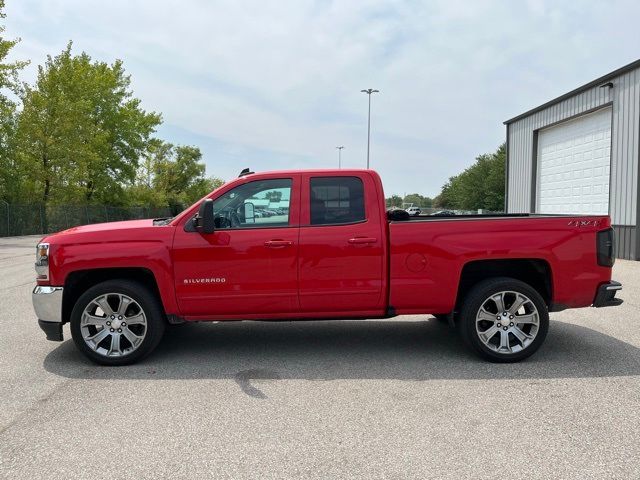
(246, 171)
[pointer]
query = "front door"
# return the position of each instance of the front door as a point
(248, 266)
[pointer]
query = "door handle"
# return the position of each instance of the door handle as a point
(278, 243)
(362, 240)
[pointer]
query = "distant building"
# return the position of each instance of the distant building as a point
(579, 153)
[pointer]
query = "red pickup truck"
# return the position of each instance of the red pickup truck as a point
(319, 245)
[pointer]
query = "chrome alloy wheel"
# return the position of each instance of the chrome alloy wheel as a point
(113, 325)
(507, 322)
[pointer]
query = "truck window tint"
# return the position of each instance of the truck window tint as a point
(336, 200)
(259, 204)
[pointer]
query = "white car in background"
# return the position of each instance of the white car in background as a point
(413, 211)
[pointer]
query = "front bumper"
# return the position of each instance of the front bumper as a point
(606, 295)
(47, 303)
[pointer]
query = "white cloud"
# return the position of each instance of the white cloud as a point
(282, 79)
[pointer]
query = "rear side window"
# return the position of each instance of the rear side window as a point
(336, 200)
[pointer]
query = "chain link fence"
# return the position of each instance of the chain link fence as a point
(16, 220)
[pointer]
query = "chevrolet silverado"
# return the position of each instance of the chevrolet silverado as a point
(319, 245)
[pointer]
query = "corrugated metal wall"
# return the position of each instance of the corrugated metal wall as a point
(625, 100)
(626, 242)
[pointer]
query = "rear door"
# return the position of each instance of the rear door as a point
(341, 250)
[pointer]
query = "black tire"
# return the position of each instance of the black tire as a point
(478, 296)
(148, 303)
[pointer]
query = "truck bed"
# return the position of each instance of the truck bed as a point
(496, 216)
(428, 254)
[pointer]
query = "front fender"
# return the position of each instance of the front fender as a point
(153, 255)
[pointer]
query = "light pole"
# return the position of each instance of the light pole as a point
(369, 91)
(340, 155)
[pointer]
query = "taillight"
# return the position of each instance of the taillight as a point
(605, 243)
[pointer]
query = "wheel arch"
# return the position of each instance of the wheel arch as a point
(78, 282)
(535, 272)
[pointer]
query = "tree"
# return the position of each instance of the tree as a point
(144, 191)
(479, 186)
(394, 201)
(171, 176)
(156, 152)
(273, 196)
(81, 137)
(418, 200)
(9, 84)
(81, 132)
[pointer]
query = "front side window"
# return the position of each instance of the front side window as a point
(336, 200)
(259, 204)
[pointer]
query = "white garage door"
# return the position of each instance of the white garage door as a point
(573, 166)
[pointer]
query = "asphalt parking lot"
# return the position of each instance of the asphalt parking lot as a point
(400, 398)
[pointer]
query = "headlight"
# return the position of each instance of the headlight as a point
(42, 261)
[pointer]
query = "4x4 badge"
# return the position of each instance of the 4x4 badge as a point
(583, 223)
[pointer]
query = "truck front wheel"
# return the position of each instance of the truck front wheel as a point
(117, 322)
(504, 319)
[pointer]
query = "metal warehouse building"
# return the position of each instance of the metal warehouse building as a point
(579, 153)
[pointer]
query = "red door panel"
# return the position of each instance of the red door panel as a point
(241, 268)
(237, 272)
(341, 266)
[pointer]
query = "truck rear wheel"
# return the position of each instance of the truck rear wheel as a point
(117, 322)
(504, 320)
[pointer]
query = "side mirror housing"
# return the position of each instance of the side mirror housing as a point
(204, 221)
(249, 212)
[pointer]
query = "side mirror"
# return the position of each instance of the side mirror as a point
(204, 221)
(249, 213)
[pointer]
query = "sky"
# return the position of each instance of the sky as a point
(276, 84)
